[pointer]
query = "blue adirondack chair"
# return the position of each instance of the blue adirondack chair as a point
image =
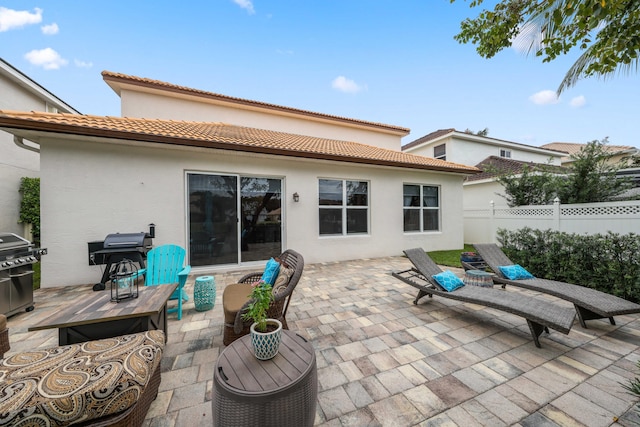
(165, 264)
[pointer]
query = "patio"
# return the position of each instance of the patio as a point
(383, 361)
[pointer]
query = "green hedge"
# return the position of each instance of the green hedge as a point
(606, 262)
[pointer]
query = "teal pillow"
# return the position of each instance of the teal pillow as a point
(515, 272)
(271, 272)
(448, 280)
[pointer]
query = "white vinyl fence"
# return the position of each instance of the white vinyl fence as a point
(480, 225)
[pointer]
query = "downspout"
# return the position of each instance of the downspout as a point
(20, 143)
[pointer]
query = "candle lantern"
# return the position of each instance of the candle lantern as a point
(124, 281)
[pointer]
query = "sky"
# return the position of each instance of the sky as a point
(388, 61)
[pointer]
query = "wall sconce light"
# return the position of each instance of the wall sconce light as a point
(296, 197)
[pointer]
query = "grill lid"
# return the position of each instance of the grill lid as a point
(124, 240)
(13, 241)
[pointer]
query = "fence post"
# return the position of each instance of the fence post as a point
(492, 221)
(556, 214)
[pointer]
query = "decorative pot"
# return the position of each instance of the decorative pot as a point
(266, 344)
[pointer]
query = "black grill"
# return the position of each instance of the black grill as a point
(119, 246)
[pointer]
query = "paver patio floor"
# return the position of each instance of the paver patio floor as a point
(383, 361)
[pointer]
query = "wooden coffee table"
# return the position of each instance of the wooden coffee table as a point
(95, 316)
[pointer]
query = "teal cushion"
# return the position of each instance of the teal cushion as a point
(515, 272)
(271, 271)
(448, 280)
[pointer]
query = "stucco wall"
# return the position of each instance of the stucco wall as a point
(147, 105)
(91, 189)
(15, 163)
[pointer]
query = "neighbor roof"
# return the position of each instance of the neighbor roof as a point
(21, 79)
(442, 133)
(218, 136)
(118, 80)
(493, 166)
(574, 148)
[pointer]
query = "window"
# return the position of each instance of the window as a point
(440, 152)
(421, 205)
(343, 207)
(505, 153)
(51, 108)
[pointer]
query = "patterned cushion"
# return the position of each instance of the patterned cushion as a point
(283, 279)
(448, 280)
(270, 271)
(515, 272)
(78, 382)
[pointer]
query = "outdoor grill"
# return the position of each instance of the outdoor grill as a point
(17, 256)
(117, 247)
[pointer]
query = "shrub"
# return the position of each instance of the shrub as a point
(606, 262)
(30, 205)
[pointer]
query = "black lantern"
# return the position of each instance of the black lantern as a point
(124, 281)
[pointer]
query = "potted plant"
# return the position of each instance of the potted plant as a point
(265, 333)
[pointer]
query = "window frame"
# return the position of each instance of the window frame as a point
(345, 208)
(504, 153)
(421, 208)
(443, 155)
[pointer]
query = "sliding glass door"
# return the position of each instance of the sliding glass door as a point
(233, 219)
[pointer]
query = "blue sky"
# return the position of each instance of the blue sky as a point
(393, 62)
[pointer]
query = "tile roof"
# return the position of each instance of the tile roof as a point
(574, 148)
(221, 136)
(493, 166)
(118, 78)
(428, 137)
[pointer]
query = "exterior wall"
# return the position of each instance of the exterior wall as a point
(121, 188)
(147, 105)
(480, 194)
(471, 153)
(15, 162)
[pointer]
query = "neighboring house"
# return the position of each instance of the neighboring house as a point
(619, 153)
(19, 92)
(469, 149)
(480, 151)
(482, 189)
(234, 181)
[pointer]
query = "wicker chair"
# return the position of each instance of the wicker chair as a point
(540, 314)
(4, 336)
(234, 326)
(589, 303)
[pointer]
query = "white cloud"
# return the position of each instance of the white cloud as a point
(46, 58)
(246, 4)
(578, 101)
(545, 97)
(50, 29)
(82, 64)
(344, 84)
(284, 52)
(11, 19)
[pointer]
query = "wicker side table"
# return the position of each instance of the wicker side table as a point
(478, 278)
(204, 293)
(273, 393)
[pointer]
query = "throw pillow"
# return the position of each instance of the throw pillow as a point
(270, 271)
(283, 279)
(515, 272)
(448, 280)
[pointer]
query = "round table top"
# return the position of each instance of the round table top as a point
(240, 372)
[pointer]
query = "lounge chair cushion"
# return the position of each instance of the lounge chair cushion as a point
(515, 272)
(271, 271)
(448, 280)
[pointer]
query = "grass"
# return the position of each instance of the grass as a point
(450, 258)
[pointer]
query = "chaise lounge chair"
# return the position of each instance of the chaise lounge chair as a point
(540, 314)
(589, 303)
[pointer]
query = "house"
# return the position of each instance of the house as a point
(20, 159)
(481, 151)
(619, 153)
(205, 168)
(470, 149)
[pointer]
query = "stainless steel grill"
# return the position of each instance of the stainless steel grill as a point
(17, 256)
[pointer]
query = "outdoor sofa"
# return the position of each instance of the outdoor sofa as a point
(589, 303)
(539, 314)
(108, 382)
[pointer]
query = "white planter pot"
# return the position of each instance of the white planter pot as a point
(266, 344)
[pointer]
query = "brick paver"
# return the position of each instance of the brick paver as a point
(383, 361)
